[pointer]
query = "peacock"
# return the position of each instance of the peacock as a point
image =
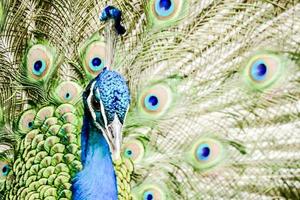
(149, 100)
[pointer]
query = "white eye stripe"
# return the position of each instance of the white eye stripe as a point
(103, 113)
(98, 93)
(92, 111)
(89, 101)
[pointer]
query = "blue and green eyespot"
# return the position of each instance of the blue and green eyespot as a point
(259, 71)
(128, 153)
(153, 192)
(68, 96)
(26, 121)
(134, 150)
(5, 170)
(39, 67)
(264, 70)
(148, 195)
(40, 62)
(151, 102)
(154, 101)
(150, 191)
(163, 13)
(96, 64)
(30, 124)
(94, 58)
(205, 153)
(68, 92)
(164, 8)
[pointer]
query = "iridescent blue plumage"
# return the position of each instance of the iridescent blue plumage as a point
(106, 100)
(111, 12)
(114, 94)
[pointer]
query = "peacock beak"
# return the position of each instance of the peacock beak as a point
(112, 132)
(113, 136)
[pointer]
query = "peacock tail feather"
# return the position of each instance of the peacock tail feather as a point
(214, 86)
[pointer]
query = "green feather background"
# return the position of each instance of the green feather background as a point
(197, 61)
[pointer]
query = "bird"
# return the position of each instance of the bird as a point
(151, 100)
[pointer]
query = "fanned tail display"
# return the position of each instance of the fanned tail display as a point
(195, 100)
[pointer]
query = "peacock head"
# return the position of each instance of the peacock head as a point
(106, 101)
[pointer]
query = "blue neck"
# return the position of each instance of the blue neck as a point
(97, 180)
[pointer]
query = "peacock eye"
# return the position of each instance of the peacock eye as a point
(128, 153)
(26, 121)
(151, 102)
(153, 193)
(263, 70)
(164, 8)
(156, 100)
(165, 12)
(258, 71)
(96, 104)
(39, 67)
(206, 153)
(68, 92)
(148, 195)
(134, 150)
(149, 191)
(39, 61)
(94, 58)
(96, 64)
(5, 170)
(203, 152)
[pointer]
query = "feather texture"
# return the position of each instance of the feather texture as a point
(214, 89)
